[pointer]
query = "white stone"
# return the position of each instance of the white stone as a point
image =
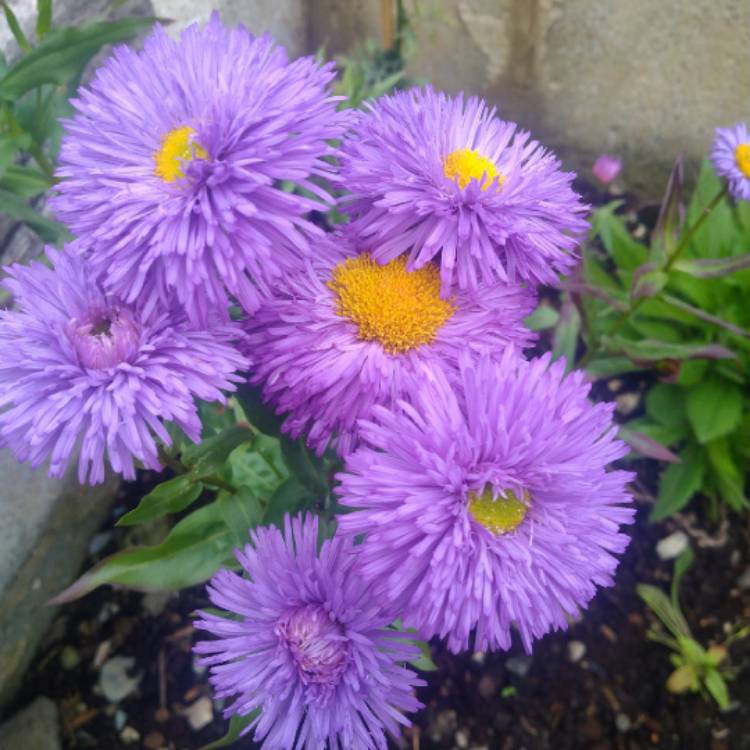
(672, 546)
(115, 680)
(576, 651)
(200, 714)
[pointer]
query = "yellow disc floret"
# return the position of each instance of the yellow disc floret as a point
(400, 309)
(742, 155)
(499, 513)
(466, 164)
(177, 147)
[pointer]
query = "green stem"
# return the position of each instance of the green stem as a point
(220, 484)
(684, 242)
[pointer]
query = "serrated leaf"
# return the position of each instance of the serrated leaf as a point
(171, 496)
(241, 512)
(192, 552)
(238, 725)
(714, 408)
(63, 54)
(679, 483)
(291, 497)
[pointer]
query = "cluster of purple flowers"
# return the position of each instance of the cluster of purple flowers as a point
(478, 479)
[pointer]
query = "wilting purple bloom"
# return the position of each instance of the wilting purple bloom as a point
(489, 504)
(326, 371)
(172, 167)
(431, 174)
(80, 369)
(606, 168)
(310, 647)
(730, 155)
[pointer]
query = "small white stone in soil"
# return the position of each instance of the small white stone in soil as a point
(120, 719)
(627, 403)
(576, 651)
(130, 736)
(462, 738)
(744, 580)
(115, 682)
(200, 714)
(519, 665)
(672, 546)
(198, 668)
(478, 657)
(622, 722)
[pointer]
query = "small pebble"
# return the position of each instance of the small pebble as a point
(576, 651)
(154, 741)
(672, 546)
(69, 658)
(623, 723)
(198, 668)
(519, 665)
(200, 714)
(744, 580)
(614, 385)
(462, 738)
(129, 735)
(735, 558)
(114, 681)
(627, 403)
(161, 715)
(478, 657)
(103, 651)
(121, 718)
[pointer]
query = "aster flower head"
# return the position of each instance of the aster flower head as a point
(345, 334)
(489, 504)
(172, 167)
(730, 156)
(310, 647)
(430, 175)
(80, 369)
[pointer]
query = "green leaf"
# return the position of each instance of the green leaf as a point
(714, 408)
(26, 182)
(648, 281)
(665, 403)
(305, 466)
(628, 254)
(680, 482)
(681, 566)
(663, 434)
(565, 339)
(668, 224)
(210, 456)
(171, 496)
(684, 678)
(63, 54)
(718, 235)
(693, 651)
(258, 414)
(43, 18)
(729, 478)
(192, 552)
(241, 511)
(15, 28)
(662, 607)
(48, 229)
(291, 497)
(236, 726)
(650, 350)
(259, 467)
(646, 445)
(542, 318)
(717, 687)
(711, 268)
(605, 367)
(423, 662)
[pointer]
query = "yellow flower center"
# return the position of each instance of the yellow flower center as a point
(400, 309)
(177, 147)
(499, 513)
(742, 154)
(465, 165)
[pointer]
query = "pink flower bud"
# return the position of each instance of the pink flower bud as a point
(606, 168)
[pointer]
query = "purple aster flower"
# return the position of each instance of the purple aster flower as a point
(345, 333)
(172, 167)
(489, 504)
(731, 159)
(83, 370)
(310, 647)
(431, 174)
(606, 168)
